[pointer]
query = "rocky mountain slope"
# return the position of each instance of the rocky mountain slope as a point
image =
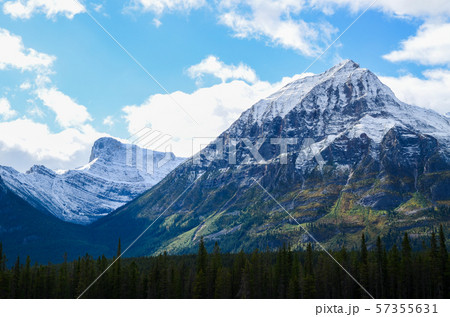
(358, 160)
(90, 192)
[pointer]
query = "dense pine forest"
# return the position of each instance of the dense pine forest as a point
(400, 272)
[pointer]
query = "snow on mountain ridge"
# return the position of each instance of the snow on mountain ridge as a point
(290, 96)
(345, 98)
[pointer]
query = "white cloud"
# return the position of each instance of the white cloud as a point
(27, 143)
(13, 54)
(68, 112)
(422, 9)
(5, 109)
(24, 9)
(430, 46)
(214, 108)
(157, 22)
(160, 6)
(34, 110)
(213, 66)
(98, 7)
(108, 121)
(25, 85)
(274, 20)
(431, 92)
(24, 142)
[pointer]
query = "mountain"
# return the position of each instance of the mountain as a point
(357, 160)
(114, 175)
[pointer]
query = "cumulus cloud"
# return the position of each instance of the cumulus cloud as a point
(24, 142)
(13, 54)
(274, 21)
(280, 22)
(68, 112)
(108, 121)
(214, 108)
(212, 65)
(25, 85)
(430, 92)
(27, 143)
(430, 46)
(160, 6)
(277, 21)
(6, 112)
(25, 9)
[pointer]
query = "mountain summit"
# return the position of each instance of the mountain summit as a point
(357, 159)
(344, 98)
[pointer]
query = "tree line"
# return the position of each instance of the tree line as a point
(399, 272)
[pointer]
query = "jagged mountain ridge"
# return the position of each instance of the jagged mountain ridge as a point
(92, 191)
(382, 159)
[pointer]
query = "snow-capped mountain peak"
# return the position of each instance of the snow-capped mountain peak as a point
(347, 77)
(346, 99)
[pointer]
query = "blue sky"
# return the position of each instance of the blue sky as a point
(64, 82)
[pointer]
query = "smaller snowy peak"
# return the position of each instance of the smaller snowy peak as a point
(116, 173)
(40, 169)
(114, 160)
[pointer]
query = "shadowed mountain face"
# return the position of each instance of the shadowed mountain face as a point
(25, 230)
(356, 159)
(338, 151)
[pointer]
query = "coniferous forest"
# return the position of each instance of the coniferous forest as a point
(400, 272)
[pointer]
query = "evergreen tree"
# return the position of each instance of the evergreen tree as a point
(132, 279)
(14, 287)
(394, 272)
(25, 279)
(117, 272)
(406, 273)
(216, 265)
(381, 270)
(294, 279)
(244, 287)
(364, 266)
(200, 287)
(236, 274)
(223, 284)
(432, 265)
(202, 257)
(309, 283)
(443, 261)
(63, 284)
(3, 274)
(2, 259)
